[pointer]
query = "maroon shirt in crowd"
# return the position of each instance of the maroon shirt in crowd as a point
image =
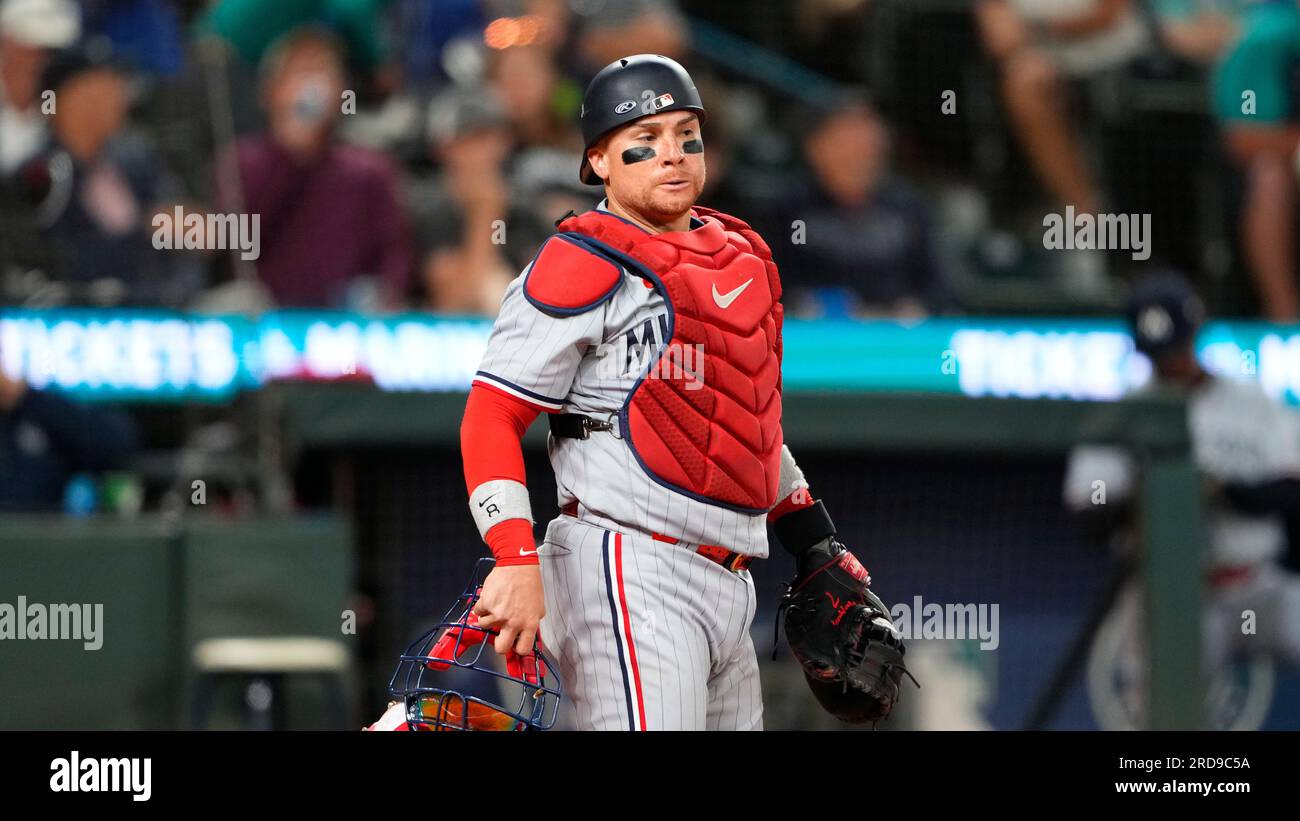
(323, 223)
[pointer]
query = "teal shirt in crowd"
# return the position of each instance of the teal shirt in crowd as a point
(251, 26)
(1262, 61)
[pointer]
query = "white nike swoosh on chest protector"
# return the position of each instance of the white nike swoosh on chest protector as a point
(724, 300)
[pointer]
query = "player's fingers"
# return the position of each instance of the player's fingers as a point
(506, 639)
(488, 620)
(524, 644)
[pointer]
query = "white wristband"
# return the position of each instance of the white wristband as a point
(498, 500)
(791, 476)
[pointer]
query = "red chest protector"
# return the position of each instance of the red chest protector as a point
(716, 438)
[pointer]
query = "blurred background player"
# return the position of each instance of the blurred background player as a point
(1247, 446)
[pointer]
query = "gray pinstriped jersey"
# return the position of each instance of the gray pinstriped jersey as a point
(588, 363)
(1238, 433)
(648, 636)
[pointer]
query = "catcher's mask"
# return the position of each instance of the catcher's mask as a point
(529, 693)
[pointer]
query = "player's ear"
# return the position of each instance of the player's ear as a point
(598, 159)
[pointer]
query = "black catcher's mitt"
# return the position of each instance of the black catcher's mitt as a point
(842, 635)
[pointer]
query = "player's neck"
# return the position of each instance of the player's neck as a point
(680, 223)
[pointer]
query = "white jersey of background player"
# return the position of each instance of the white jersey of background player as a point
(1247, 446)
(649, 331)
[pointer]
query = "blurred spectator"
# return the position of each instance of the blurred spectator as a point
(1040, 45)
(444, 42)
(28, 30)
(720, 192)
(46, 438)
(426, 29)
(98, 186)
(1255, 96)
(854, 229)
(1199, 30)
(540, 103)
(330, 213)
(146, 34)
(610, 29)
(545, 179)
(467, 257)
(253, 26)
(828, 36)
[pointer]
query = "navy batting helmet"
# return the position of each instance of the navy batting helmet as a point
(526, 697)
(628, 89)
(1164, 313)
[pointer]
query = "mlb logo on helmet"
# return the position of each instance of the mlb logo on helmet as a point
(663, 100)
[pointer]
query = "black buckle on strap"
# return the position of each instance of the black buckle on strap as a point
(577, 425)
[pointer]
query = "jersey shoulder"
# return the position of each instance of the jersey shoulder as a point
(567, 277)
(1233, 398)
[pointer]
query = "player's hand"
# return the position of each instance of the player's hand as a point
(512, 604)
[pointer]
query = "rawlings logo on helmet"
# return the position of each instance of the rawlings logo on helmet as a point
(625, 106)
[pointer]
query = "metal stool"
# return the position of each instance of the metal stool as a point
(262, 666)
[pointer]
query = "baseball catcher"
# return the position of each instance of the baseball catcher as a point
(648, 329)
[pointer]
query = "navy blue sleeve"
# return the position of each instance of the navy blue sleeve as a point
(1272, 496)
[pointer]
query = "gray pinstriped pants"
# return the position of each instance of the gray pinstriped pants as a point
(648, 635)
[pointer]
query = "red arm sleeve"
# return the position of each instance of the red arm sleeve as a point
(490, 436)
(800, 499)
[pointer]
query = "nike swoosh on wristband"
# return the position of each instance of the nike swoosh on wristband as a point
(725, 300)
(527, 552)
